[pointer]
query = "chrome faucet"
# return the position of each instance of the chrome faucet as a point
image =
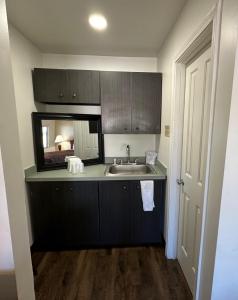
(128, 152)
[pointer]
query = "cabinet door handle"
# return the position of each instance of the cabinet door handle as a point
(137, 187)
(124, 187)
(137, 128)
(71, 189)
(57, 188)
(125, 129)
(74, 95)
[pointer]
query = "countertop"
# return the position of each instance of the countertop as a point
(91, 173)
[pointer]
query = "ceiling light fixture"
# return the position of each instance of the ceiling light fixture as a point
(98, 21)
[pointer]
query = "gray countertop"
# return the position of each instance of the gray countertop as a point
(91, 173)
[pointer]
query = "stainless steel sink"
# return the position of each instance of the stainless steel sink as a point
(129, 169)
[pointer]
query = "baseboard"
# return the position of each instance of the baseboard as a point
(8, 285)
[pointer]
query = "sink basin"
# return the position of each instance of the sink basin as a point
(129, 169)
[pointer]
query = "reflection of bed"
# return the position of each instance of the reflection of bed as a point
(56, 157)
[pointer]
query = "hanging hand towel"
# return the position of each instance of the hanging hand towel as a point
(147, 194)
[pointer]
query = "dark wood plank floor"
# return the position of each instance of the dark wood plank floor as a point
(140, 273)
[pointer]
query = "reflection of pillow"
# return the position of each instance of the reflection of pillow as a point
(48, 161)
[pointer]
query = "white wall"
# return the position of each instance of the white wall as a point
(225, 280)
(191, 17)
(25, 56)
(225, 72)
(102, 63)
(114, 144)
(189, 20)
(13, 168)
(6, 256)
(7, 268)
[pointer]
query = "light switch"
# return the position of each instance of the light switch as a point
(167, 130)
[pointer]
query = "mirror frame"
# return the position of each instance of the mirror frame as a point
(37, 117)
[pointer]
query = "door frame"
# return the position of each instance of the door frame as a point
(207, 32)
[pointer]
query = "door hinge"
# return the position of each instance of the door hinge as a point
(180, 181)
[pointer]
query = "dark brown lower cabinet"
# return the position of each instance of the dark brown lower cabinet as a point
(84, 214)
(148, 226)
(64, 214)
(122, 218)
(115, 212)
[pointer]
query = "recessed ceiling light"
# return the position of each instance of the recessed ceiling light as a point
(97, 21)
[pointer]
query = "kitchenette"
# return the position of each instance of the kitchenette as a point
(78, 196)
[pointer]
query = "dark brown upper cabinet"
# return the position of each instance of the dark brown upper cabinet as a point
(146, 102)
(84, 87)
(66, 86)
(131, 102)
(50, 85)
(116, 102)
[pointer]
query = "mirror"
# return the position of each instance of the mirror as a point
(58, 135)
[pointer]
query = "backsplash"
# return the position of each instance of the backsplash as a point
(115, 144)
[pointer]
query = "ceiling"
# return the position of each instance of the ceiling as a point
(135, 27)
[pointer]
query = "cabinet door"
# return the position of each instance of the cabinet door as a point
(116, 102)
(40, 197)
(84, 87)
(148, 225)
(146, 102)
(48, 211)
(64, 214)
(115, 213)
(82, 213)
(50, 85)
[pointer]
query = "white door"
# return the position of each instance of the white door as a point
(85, 143)
(195, 138)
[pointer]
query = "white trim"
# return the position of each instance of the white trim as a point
(176, 138)
(196, 42)
(215, 55)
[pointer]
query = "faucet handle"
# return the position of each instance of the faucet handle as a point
(136, 160)
(114, 161)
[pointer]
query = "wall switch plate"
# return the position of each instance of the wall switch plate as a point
(167, 130)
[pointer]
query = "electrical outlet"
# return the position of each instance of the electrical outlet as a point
(167, 130)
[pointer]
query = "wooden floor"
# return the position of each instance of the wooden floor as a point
(140, 273)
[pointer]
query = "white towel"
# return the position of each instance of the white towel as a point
(74, 164)
(147, 194)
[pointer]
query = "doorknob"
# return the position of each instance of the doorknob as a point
(180, 181)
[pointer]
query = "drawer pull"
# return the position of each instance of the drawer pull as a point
(124, 187)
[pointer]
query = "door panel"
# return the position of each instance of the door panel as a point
(115, 212)
(50, 85)
(84, 87)
(146, 102)
(195, 138)
(147, 226)
(116, 102)
(83, 214)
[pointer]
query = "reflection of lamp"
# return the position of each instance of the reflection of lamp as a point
(59, 139)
